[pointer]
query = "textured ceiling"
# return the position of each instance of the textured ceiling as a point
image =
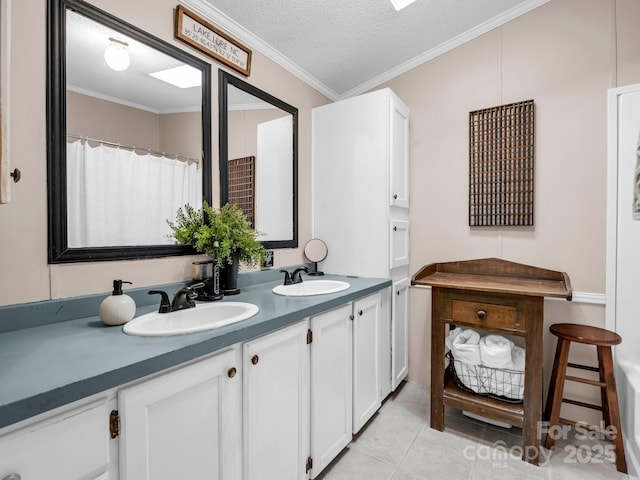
(87, 72)
(348, 45)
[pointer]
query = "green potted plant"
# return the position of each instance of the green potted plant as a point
(225, 233)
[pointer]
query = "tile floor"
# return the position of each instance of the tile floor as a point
(398, 444)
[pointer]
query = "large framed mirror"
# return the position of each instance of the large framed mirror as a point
(259, 159)
(129, 136)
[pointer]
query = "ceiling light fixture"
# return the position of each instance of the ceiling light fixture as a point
(116, 55)
(182, 77)
(400, 4)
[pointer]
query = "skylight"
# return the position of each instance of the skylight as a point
(181, 77)
(400, 4)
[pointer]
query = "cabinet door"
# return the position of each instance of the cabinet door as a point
(184, 424)
(276, 405)
(384, 344)
(398, 243)
(366, 398)
(399, 153)
(400, 332)
(331, 386)
(70, 446)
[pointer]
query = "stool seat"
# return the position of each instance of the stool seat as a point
(585, 334)
(603, 340)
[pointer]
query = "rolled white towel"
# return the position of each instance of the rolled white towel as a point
(508, 381)
(495, 351)
(517, 358)
(465, 345)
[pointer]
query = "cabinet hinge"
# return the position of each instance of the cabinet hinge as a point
(309, 464)
(114, 423)
(309, 336)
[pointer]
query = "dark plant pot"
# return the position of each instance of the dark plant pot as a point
(229, 276)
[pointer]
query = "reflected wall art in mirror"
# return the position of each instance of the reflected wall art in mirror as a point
(129, 136)
(259, 159)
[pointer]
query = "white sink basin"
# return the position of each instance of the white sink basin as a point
(311, 287)
(205, 316)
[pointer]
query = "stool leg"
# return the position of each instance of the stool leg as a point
(613, 412)
(606, 416)
(556, 387)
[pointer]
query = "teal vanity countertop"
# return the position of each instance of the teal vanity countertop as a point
(45, 367)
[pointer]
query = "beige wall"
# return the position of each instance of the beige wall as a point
(25, 275)
(243, 130)
(562, 55)
(113, 122)
(172, 133)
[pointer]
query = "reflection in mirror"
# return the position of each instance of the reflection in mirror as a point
(258, 159)
(129, 144)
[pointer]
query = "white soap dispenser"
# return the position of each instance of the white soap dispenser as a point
(118, 308)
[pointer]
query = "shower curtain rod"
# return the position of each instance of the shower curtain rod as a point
(133, 148)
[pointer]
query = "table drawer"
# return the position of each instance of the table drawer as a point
(486, 315)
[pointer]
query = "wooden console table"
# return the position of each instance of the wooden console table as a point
(498, 296)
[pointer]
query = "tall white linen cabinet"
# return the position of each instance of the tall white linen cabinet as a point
(361, 207)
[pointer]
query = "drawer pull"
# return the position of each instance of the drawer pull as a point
(395, 196)
(481, 314)
(255, 359)
(232, 372)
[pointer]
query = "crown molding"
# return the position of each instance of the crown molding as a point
(461, 39)
(221, 20)
(201, 7)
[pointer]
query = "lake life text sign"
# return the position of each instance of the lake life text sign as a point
(197, 32)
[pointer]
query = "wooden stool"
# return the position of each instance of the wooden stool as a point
(603, 340)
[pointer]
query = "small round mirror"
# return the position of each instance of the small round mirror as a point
(316, 251)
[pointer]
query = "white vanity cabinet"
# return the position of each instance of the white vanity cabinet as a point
(331, 385)
(366, 359)
(361, 201)
(186, 423)
(73, 445)
(276, 405)
(400, 334)
(307, 388)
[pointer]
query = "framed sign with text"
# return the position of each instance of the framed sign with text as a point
(199, 33)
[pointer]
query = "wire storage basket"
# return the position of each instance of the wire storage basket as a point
(500, 383)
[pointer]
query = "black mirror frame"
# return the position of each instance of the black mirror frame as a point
(59, 252)
(225, 79)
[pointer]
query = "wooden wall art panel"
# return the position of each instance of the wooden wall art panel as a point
(501, 141)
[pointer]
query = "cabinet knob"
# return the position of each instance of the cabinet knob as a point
(481, 314)
(395, 196)
(13, 476)
(397, 292)
(395, 228)
(255, 359)
(351, 317)
(232, 372)
(360, 312)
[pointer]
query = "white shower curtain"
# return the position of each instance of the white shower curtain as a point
(118, 197)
